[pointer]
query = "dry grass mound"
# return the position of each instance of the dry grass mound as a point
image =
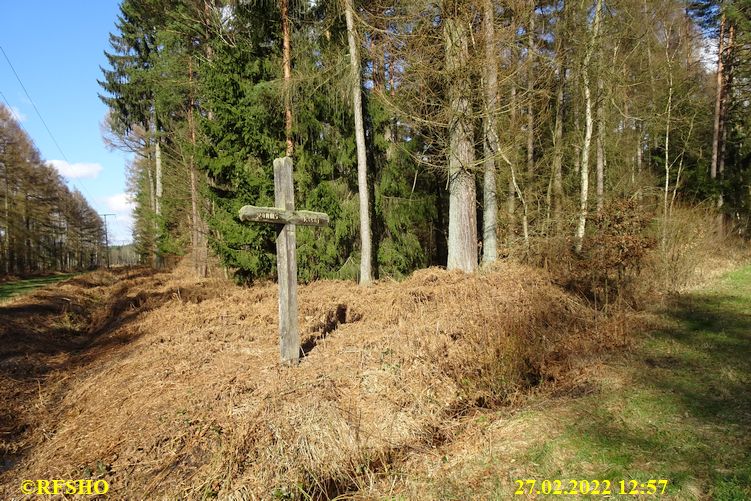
(179, 392)
(42, 338)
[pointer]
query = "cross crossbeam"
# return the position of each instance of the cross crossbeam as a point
(275, 215)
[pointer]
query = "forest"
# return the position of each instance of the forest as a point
(449, 133)
(535, 280)
(44, 225)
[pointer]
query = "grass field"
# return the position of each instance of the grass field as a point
(685, 414)
(678, 408)
(11, 289)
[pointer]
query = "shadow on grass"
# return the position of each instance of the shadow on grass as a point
(47, 339)
(687, 415)
(716, 343)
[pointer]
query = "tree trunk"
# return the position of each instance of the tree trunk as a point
(718, 101)
(511, 192)
(152, 201)
(720, 175)
(576, 110)
(287, 63)
(150, 180)
(366, 258)
(558, 154)
(557, 201)
(523, 195)
(584, 195)
(639, 151)
(514, 191)
(639, 155)
(6, 237)
(199, 243)
(490, 142)
(667, 163)
(462, 239)
(158, 199)
(530, 93)
(158, 173)
(27, 235)
(391, 132)
(726, 93)
(601, 161)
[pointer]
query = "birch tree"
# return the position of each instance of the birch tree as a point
(490, 138)
(592, 44)
(366, 258)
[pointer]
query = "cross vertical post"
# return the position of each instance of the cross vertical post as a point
(286, 252)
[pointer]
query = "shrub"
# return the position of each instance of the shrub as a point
(613, 255)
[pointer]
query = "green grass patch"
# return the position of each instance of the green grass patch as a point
(12, 289)
(681, 412)
(686, 414)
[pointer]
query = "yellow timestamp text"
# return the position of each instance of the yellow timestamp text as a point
(590, 487)
(61, 487)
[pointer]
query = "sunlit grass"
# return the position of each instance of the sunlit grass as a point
(686, 416)
(11, 289)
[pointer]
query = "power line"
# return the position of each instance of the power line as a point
(17, 118)
(19, 124)
(18, 121)
(80, 187)
(34, 105)
(14, 114)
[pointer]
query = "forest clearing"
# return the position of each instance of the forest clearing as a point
(444, 386)
(349, 249)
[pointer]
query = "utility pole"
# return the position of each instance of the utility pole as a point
(106, 237)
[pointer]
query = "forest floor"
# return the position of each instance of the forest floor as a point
(167, 387)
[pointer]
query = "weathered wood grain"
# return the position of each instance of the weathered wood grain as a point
(276, 215)
(286, 256)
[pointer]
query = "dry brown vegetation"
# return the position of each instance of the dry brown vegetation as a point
(172, 387)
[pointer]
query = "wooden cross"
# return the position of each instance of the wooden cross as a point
(285, 215)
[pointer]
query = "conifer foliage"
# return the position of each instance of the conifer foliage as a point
(44, 226)
(489, 127)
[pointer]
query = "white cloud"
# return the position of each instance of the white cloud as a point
(121, 203)
(121, 229)
(121, 224)
(19, 115)
(76, 170)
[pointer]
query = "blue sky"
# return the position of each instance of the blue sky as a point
(56, 48)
